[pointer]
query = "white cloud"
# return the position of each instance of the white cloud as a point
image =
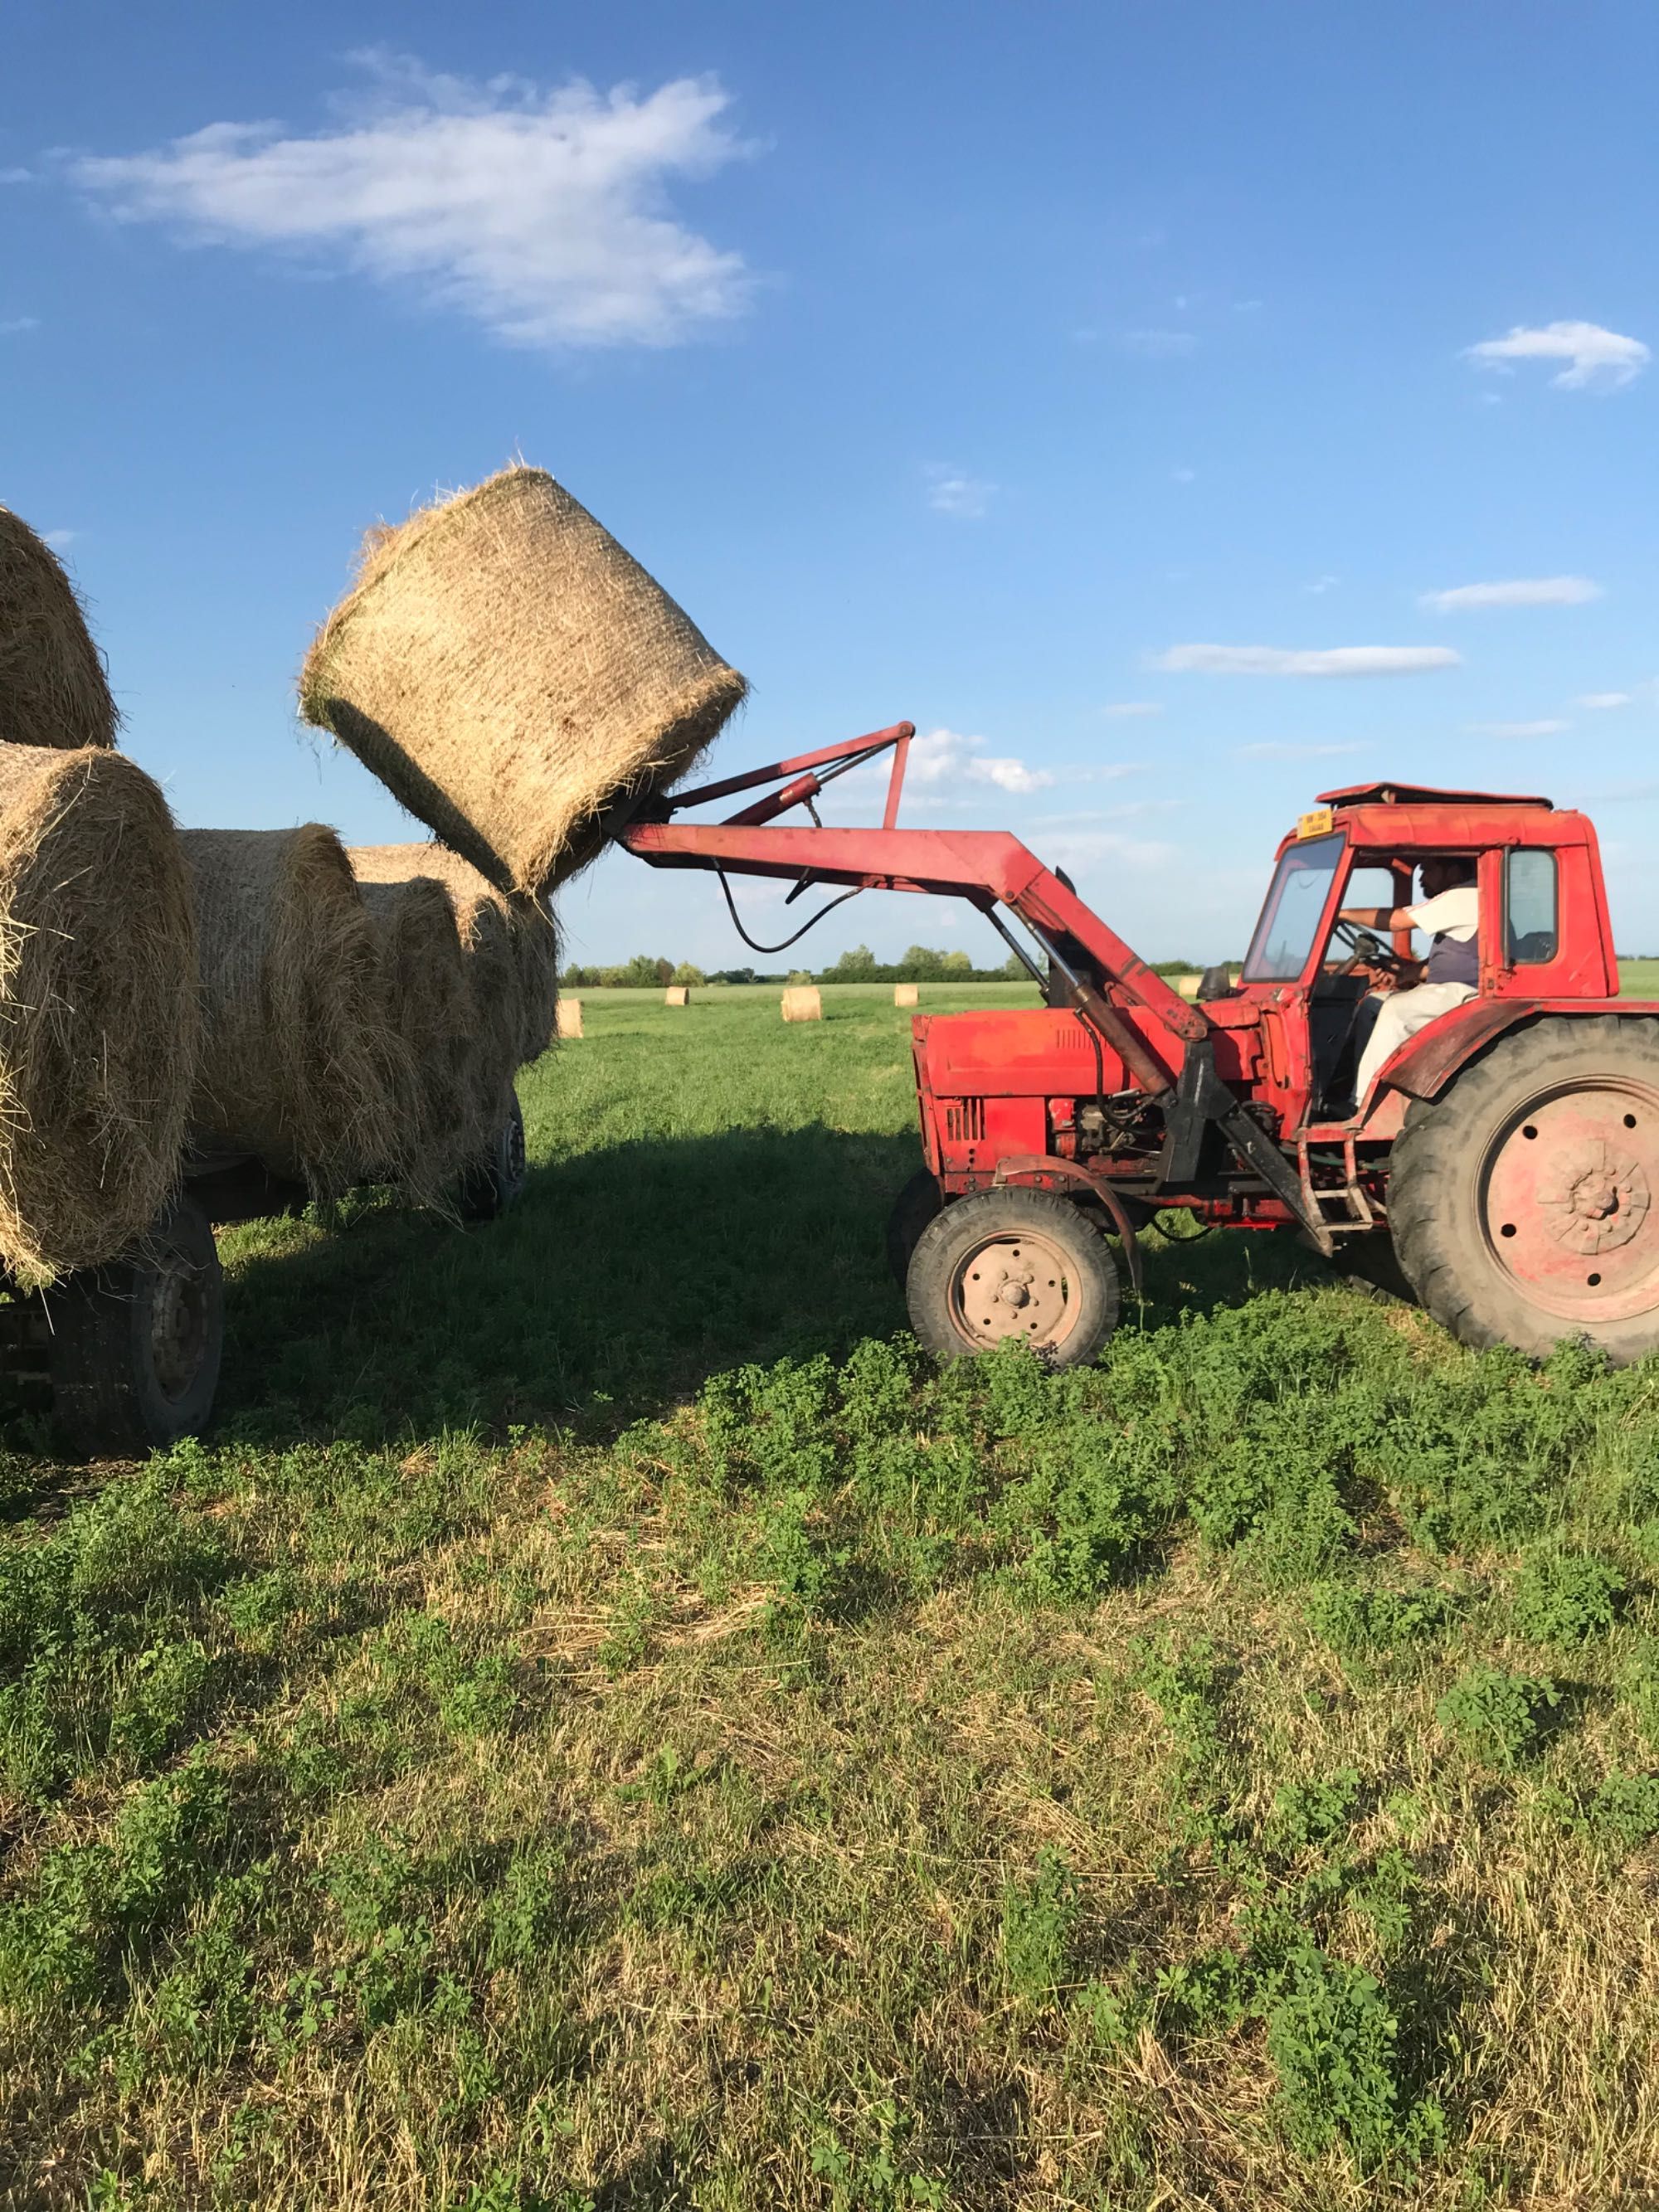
(953, 491)
(1292, 752)
(1520, 592)
(542, 215)
(1543, 729)
(1159, 345)
(60, 540)
(16, 325)
(1281, 661)
(1183, 475)
(1122, 708)
(16, 177)
(1601, 702)
(1322, 584)
(944, 756)
(1596, 359)
(1078, 851)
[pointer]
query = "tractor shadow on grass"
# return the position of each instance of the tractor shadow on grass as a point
(623, 1278)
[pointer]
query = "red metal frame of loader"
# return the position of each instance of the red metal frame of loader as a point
(1258, 1036)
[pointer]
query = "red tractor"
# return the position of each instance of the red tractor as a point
(1508, 1152)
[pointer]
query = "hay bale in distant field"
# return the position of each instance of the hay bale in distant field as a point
(450, 1097)
(511, 948)
(801, 1003)
(568, 1017)
(905, 994)
(676, 994)
(299, 1064)
(99, 1021)
(53, 690)
(509, 672)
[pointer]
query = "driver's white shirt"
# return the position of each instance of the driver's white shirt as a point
(1455, 913)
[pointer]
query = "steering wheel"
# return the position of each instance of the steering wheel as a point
(1365, 950)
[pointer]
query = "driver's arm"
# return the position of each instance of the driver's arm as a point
(1377, 917)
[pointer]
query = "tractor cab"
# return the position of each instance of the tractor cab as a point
(1543, 929)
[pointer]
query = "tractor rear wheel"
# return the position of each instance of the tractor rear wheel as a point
(1524, 1201)
(496, 1179)
(1013, 1263)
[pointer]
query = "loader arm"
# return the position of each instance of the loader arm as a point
(986, 867)
(1175, 1066)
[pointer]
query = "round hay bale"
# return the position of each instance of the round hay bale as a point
(801, 1003)
(905, 994)
(99, 1019)
(509, 672)
(450, 1097)
(299, 1064)
(512, 951)
(53, 690)
(676, 994)
(569, 1018)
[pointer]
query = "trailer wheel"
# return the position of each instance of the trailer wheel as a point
(1013, 1263)
(912, 1209)
(1524, 1201)
(497, 1180)
(135, 1345)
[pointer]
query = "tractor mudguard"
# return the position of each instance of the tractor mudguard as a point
(1427, 1063)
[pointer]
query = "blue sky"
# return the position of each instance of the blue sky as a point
(1173, 409)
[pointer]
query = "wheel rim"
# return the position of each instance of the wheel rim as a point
(177, 1324)
(514, 1160)
(1016, 1283)
(1568, 1192)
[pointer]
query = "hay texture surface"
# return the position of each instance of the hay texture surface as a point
(569, 1018)
(98, 1006)
(446, 1106)
(510, 945)
(509, 672)
(53, 690)
(905, 994)
(801, 1003)
(299, 1064)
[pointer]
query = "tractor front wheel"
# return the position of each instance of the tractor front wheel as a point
(1013, 1263)
(1524, 1201)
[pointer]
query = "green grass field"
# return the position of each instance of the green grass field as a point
(603, 1723)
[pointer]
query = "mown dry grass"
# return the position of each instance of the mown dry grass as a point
(479, 1779)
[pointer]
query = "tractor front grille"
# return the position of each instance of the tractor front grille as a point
(964, 1120)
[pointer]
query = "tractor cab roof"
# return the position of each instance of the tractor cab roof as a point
(1422, 794)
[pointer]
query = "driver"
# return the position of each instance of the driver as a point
(1450, 912)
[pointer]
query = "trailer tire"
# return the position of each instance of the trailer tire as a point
(1524, 1200)
(1013, 1263)
(136, 1344)
(916, 1205)
(496, 1180)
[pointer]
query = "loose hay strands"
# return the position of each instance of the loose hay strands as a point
(299, 1065)
(510, 674)
(801, 1003)
(445, 1111)
(99, 1022)
(510, 944)
(53, 690)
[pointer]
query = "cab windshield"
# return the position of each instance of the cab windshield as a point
(1284, 938)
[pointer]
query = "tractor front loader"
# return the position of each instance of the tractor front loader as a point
(1509, 1151)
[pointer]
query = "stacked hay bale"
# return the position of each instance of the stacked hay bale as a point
(300, 1062)
(98, 1003)
(510, 955)
(53, 690)
(513, 677)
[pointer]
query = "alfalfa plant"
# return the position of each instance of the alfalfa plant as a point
(1497, 1716)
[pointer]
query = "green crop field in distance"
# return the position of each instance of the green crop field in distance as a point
(603, 1722)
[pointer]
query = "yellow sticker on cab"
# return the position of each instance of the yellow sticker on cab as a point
(1319, 823)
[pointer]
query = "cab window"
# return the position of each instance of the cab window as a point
(1284, 939)
(1532, 929)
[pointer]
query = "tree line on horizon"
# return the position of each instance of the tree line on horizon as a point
(920, 964)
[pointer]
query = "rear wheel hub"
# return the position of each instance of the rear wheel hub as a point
(1567, 1198)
